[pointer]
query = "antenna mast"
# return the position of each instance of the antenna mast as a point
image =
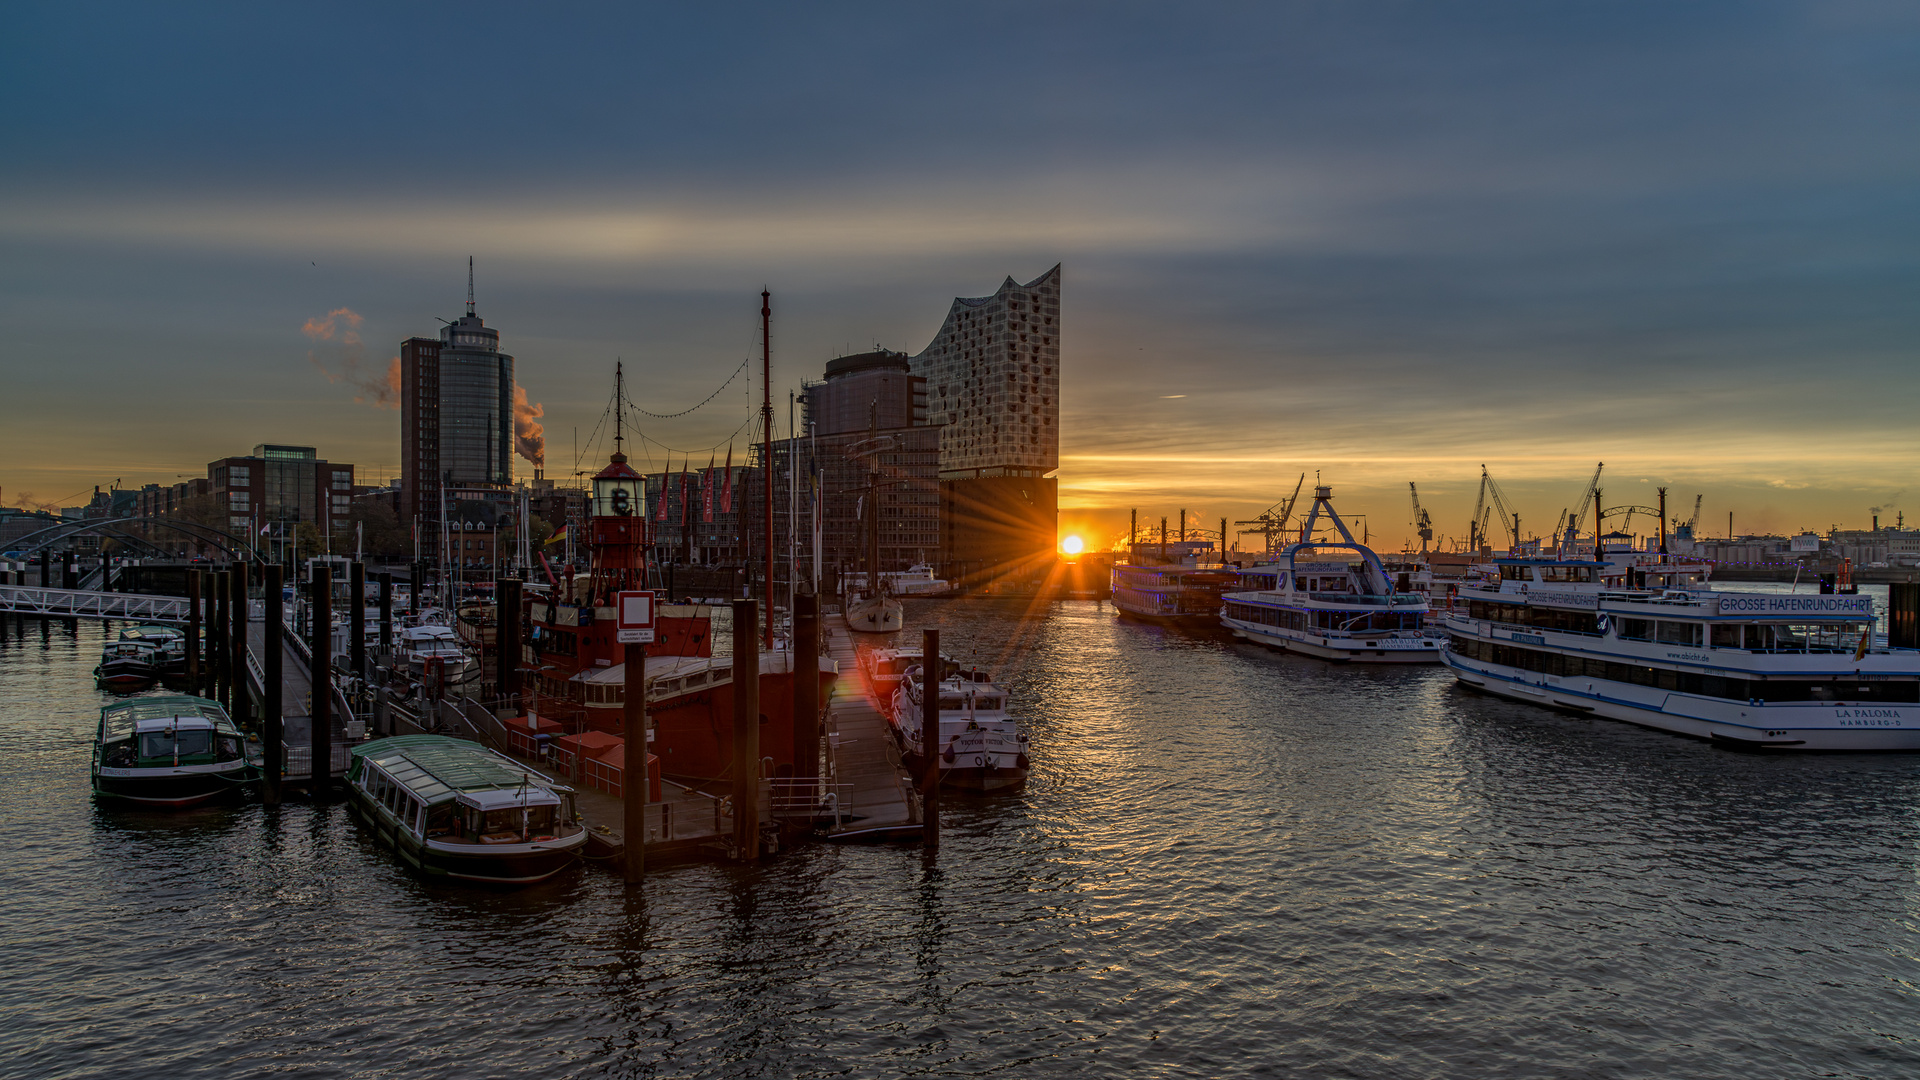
(469, 284)
(619, 411)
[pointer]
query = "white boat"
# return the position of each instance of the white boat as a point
(1653, 644)
(981, 746)
(916, 580)
(437, 647)
(885, 667)
(1334, 600)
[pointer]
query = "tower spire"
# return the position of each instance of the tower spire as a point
(469, 284)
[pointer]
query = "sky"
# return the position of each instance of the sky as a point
(1384, 243)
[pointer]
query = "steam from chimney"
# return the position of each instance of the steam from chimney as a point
(529, 438)
(348, 356)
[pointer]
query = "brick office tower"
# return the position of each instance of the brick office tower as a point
(993, 388)
(456, 422)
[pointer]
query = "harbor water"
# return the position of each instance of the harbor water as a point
(1228, 862)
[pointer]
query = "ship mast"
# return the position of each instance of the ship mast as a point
(766, 434)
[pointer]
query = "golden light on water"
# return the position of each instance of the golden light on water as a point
(1072, 545)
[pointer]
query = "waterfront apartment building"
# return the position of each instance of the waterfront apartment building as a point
(456, 422)
(268, 494)
(993, 390)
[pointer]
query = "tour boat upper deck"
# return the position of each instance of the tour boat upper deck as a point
(1333, 599)
(1655, 644)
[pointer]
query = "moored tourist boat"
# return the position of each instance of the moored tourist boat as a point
(169, 752)
(1653, 644)
(1167, 582)
(452, 808)
(981, 746)
(1334, 600)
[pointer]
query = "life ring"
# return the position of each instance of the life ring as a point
(979, 759)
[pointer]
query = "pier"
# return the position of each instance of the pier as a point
(870, 783)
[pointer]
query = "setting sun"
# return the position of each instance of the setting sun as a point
(1072, 545)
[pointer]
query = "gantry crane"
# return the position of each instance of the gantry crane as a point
(1273, 522)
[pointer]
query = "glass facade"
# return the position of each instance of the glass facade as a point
(476, 405)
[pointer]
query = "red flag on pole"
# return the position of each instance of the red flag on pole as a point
(706, 491)
(686, 489)
(661, 514)
(726, 484)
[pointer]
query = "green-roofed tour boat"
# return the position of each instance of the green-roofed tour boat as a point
(453, 808)
(172, 752)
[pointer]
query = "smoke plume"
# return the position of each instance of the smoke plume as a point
(342, 358)
(27, 500)
(529, 438)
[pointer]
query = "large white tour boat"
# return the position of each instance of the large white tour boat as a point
(1334, 600)
(1653, 644)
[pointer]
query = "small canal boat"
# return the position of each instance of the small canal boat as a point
(170, 640)
(169, 752)
(981, 746)
(126, 666)
(452, 808)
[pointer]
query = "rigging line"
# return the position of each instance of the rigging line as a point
(671, 450)
(709, 397)
(581, 455)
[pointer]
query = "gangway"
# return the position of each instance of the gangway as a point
(89, 604)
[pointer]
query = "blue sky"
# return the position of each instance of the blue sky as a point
(1387, 241)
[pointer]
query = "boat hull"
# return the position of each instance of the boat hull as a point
(515, 865)
(693, 732)
(883, 616)
(171, 789)
(1342, 650)
(1810, 726)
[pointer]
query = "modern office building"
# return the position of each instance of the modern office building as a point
(993, 389)
(456, 424)
(268, 494)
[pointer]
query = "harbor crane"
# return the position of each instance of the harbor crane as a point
(1273, 522)
(1569, 523)
(1509, 520)
(1422, 521)
(1691, 523)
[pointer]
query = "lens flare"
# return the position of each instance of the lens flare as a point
(1072, 545)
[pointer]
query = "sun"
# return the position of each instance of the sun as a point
(1072, 545)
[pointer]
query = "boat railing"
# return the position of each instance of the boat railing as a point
(1368, 599)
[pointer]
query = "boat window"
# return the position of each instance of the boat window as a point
(540, 821)
(986, 703)
(1566, 573)
(441, 820)
(698, 678)
(1725, 637)
(1677, 633)
(1636, 629)
(502, 823)
(229, 748)
(1516, 573)
(947, 703)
